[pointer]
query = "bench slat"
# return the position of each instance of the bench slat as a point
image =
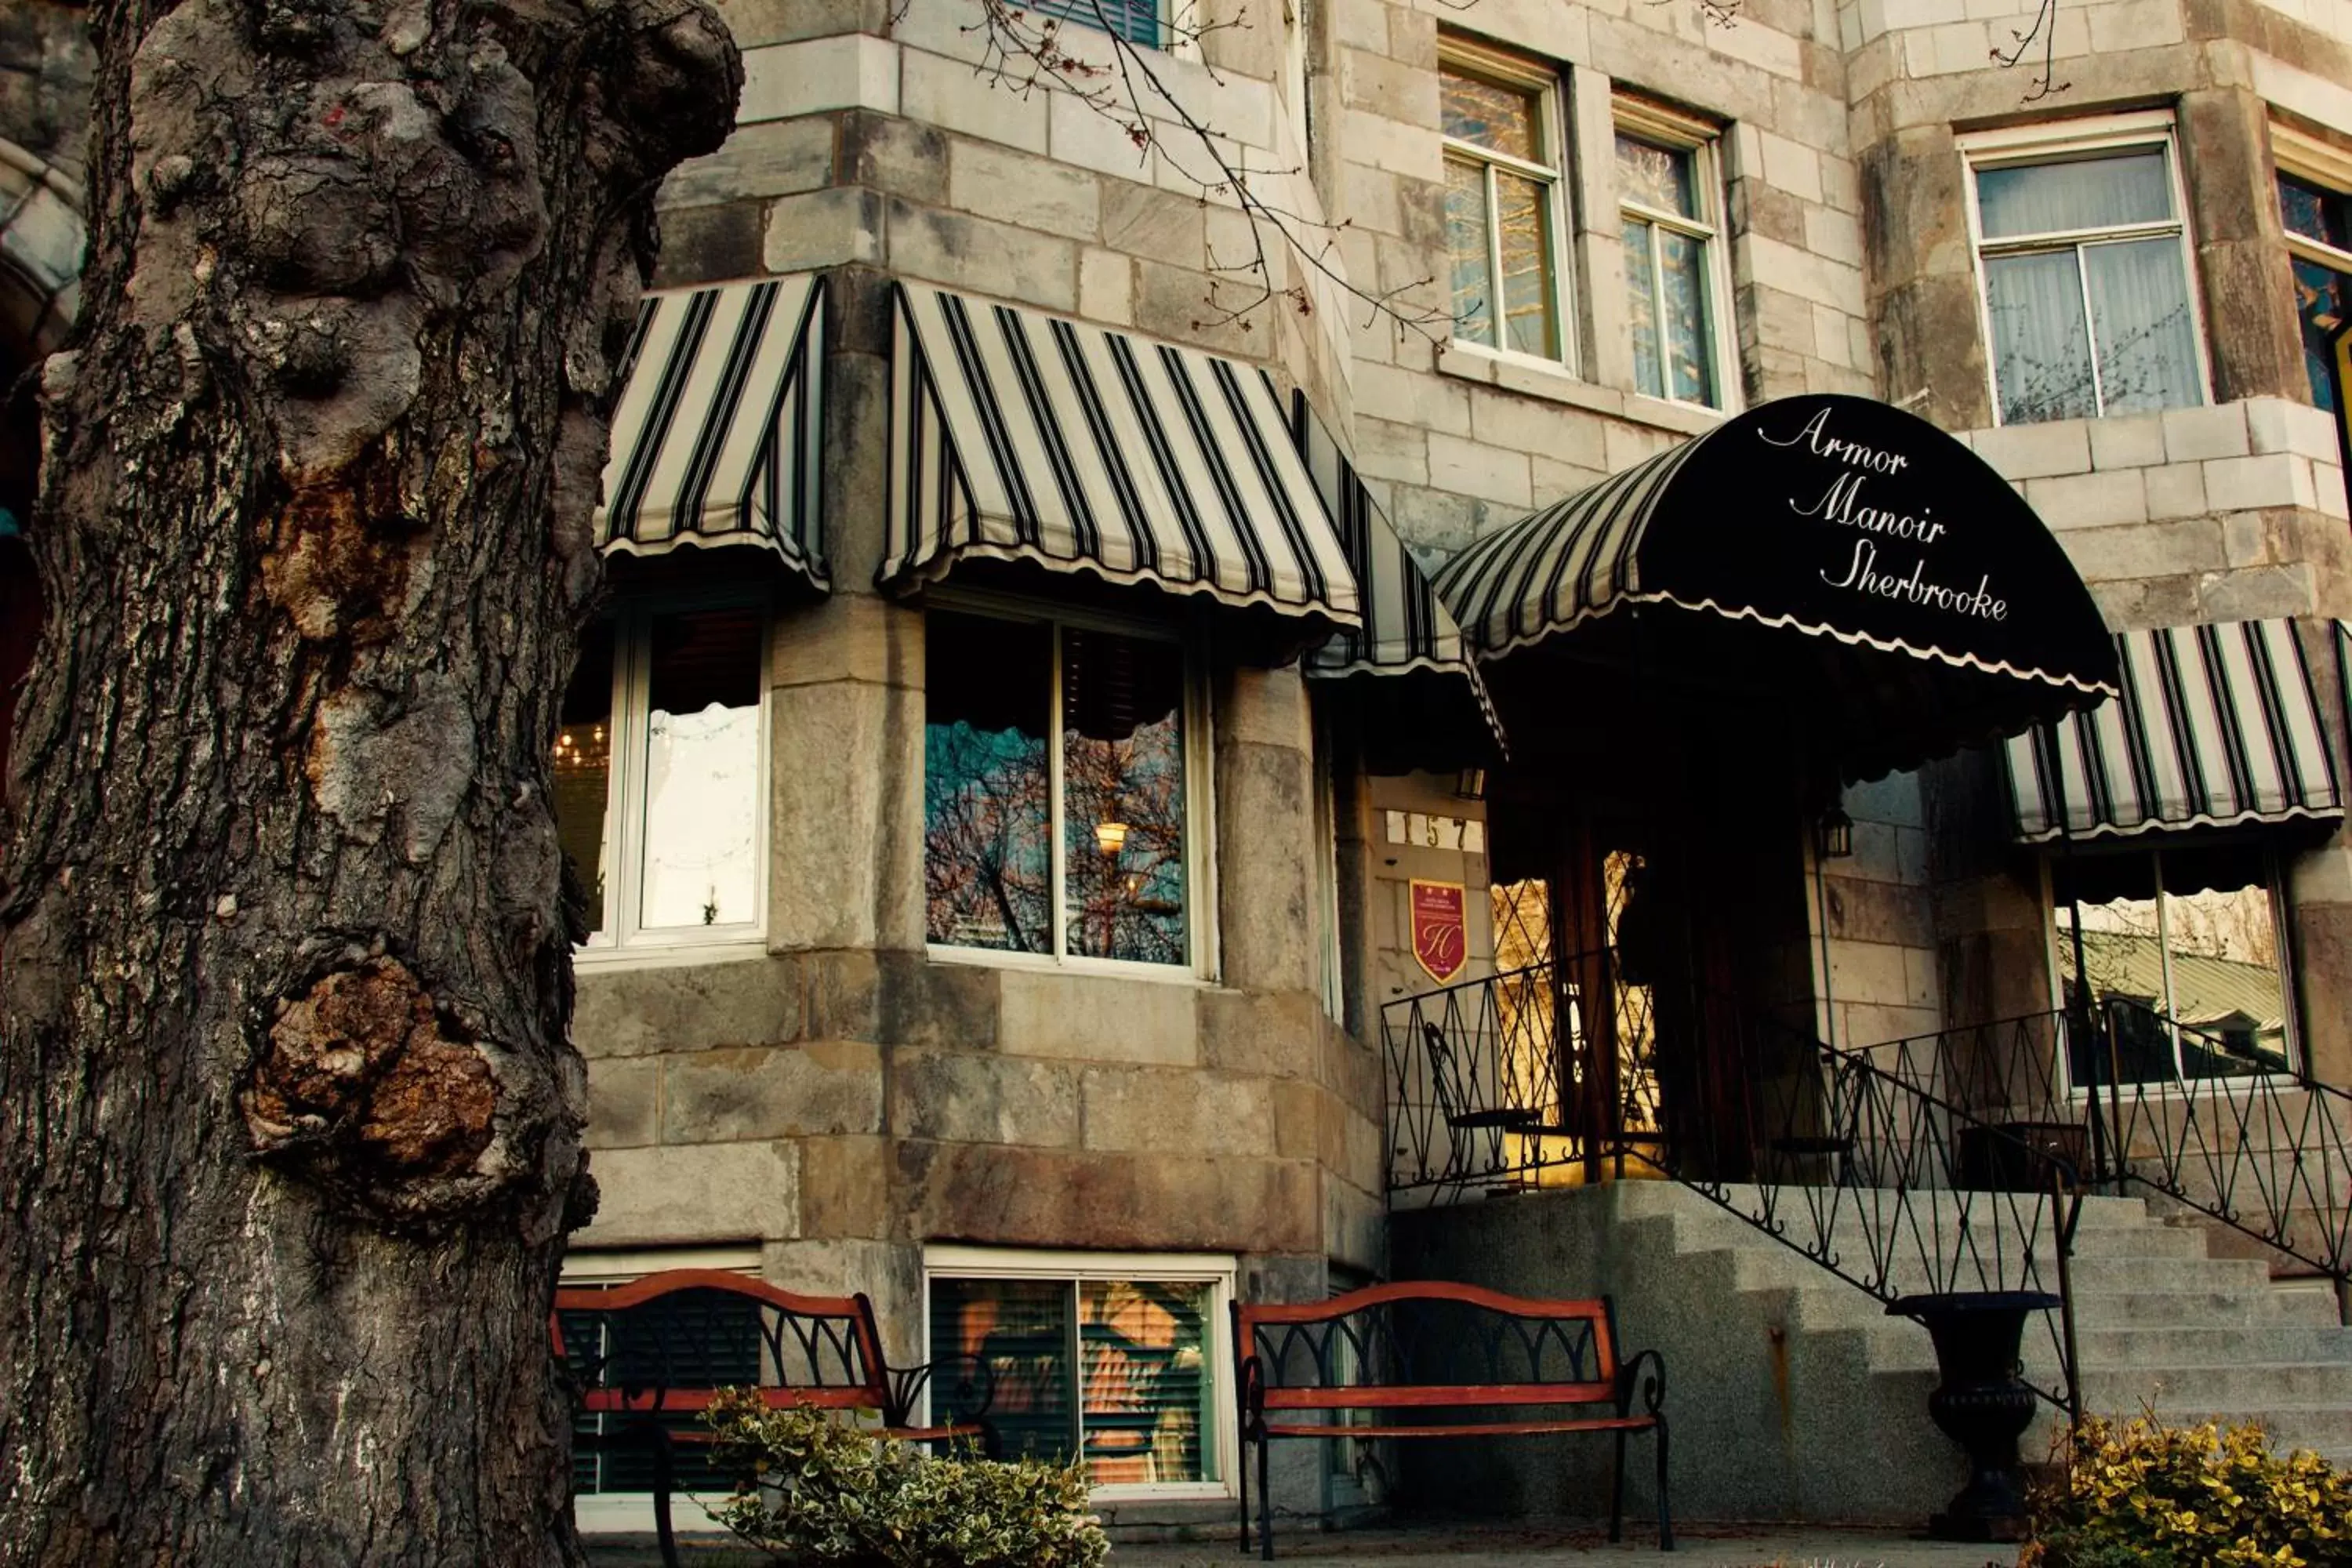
(1484, 1429)
(1359, 1396)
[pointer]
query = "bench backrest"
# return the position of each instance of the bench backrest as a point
(1407, 1344)
(669, 1341)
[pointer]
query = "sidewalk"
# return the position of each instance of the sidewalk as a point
(1469, 1546)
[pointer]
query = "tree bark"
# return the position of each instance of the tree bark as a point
(291, 1140)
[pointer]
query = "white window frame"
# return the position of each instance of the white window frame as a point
(2059, 953)
(2027, 145)
(608, 1513)
(1217, 1270)
(1645, 120)
(622, 943)
(1199, 806)
(1466, 58)
(1180, 31)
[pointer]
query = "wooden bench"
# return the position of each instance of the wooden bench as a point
(1408, 1351)
(642, 1355)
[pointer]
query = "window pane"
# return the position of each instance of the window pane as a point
(2041, 344)
(2313, 213)
(987, 822)
(2319, 301)
(1656, 176)
(1466, 238)
(1123, 797)
(1137, 21)
(1642, 303)
(1501, 118)
(1523, 216)
(702, 769)
(2141, 320)
(2085, 193)
(2122, 953)
(2227, 994)
(1020, 1328)
(1148, 1388)
(584, 766)
(1682, 268)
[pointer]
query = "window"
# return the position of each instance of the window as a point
(611, 1487)
(1067, 838)
(1119, 1361)
(1502, 204)
(2085, 267)
(1137, 21)
(2319, 245)
(657, 767)
(2187, 961)
(1669, 202)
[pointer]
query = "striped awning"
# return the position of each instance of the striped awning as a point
(716, 437)
(1028, 439)
(1434, 711)
(2217, 726)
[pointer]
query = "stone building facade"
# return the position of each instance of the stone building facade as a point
(1501, 251)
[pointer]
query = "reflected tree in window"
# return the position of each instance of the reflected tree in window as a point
(987, 785)
(1123, 785)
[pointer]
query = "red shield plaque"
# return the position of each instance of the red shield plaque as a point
(1440, 940)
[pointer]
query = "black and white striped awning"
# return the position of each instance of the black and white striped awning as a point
(2217, 726)
(716, 437)
(1432, 710)
(1023, 437)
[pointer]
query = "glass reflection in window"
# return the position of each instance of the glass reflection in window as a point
(1666, 231)
(584, 768)
(2185, 961)
(2319, 240)
(702, 768)
(988, 783)
(1501, 179)
(1123, 784)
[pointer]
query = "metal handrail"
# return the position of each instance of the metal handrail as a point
(2266, 1151)
(1503, 1084)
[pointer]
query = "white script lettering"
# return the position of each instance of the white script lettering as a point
(1862, 575)
(1822, 444)
(1842, 502)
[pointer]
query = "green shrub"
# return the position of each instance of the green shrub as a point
(812, 1490)
(2145, 1495)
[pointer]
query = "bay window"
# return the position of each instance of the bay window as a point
(1116, 1362)
(2085, 260)
(1670, 206)
(2185, 957)
(659, 776)
(1503, 160)
(1058, 790)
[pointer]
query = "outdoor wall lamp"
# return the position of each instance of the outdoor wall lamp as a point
(1834, 835)
(1471, 785)
(1110, 837)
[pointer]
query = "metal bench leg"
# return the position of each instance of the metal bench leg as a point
(665, 1477)
(1245, 1489)
(1617, 1492)
(1264, 1505)
(1665, 1519)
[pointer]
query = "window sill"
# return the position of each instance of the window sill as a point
(614, 960)
(1542, 378)
(1094, 968)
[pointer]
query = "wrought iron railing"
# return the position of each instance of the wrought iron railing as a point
(2213, 1121)
(1562, 1073)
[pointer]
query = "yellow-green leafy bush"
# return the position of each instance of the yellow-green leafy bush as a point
(2145, 1495)
(811, 1489)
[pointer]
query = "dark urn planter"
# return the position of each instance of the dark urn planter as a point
(1981, 1404)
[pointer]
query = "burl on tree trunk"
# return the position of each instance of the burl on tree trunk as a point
(291, 1120)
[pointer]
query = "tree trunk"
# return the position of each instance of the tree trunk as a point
(291, 1125)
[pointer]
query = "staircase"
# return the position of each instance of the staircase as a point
(1794, 1395)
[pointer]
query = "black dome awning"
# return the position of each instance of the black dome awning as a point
(1833, 551)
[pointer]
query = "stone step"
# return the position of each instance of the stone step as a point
(1713, 1228)
(2228, 1386)
(2212, 1307)
(2324, 1429)
(2206, 1346)
(1642, 1198)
